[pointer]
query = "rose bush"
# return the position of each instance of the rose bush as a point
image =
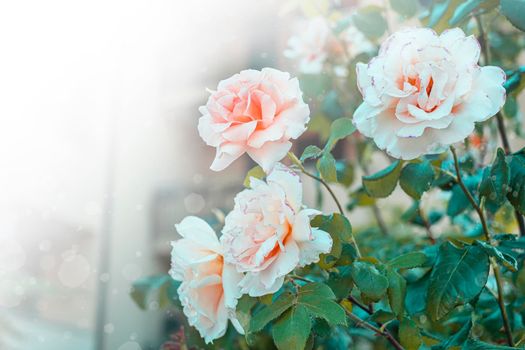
(440, 265)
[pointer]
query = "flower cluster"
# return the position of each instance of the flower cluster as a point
(266, 236)
(422, 93)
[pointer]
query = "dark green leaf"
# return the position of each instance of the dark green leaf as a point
(345, 173)
(292, 329)
(474, 344)
(310, 152)
(463, 10)
(416, 299)
(323, 308)
(326, 167)
(396, 291)
(516, 193)
(458, 338)
(383, 183)
(416, 178)
(408, 260)
(458, 276)
(270, 312)
(369, 280)
(409, 335)
(504, 259)
(336, 225)
(382, 316)
(495, 180)
(244, 309)
(514, 10)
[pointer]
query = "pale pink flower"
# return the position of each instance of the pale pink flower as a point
(424, 92)
(268, 233)
(209, 288)
(355, 42)
(254, 112)
(309, 47)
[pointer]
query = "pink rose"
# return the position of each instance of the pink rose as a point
(268, 233)
(424, 92)
(256, 112)
(209, 288)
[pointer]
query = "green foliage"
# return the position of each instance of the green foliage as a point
(370, 21)
(514, 10)
(154, 292)
(408, 260)
(292, 330)
(271, 312)
(409, 335)
(396, 291)
(416, 178)
(383, 183)
(495, 180)
(318, 299)
(369, 280)
(458, 276)
(326, 167)
(504, 259)
(516, 192)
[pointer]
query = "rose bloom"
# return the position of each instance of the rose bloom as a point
(309, 47)
(424, 92)
(208, 292)
(268, 233)
(256, 112)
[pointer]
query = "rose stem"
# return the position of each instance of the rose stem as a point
(294, 160)
(499, 116)
(495, 267)
(361, 323)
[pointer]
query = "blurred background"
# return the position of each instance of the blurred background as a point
(101, 156)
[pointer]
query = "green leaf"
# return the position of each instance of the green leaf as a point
(383, 183)
(458, 338)
(409, 335)
(244, 309)
(310, 152)
(271, 312)
(406, 8)
(459, 202)
(458, 276)
(416, 299)
(345, 173)
(369, 280)
(495, 180)
(326, 167)
(463, 10)
(369, 20)
(514, 10)
(516, 193)
(291, 331)
(397, 287)
(318, 298)
(415, 179)
(154, 290)
(408, 260)
(502, 258)
(256, 172)
(336, 225)
(361, 199)
(382, 316)
(474, 344)
(340, 129)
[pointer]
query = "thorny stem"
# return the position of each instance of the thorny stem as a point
(362, 323)
(499, 116)
(294, 159)
(495, 267)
